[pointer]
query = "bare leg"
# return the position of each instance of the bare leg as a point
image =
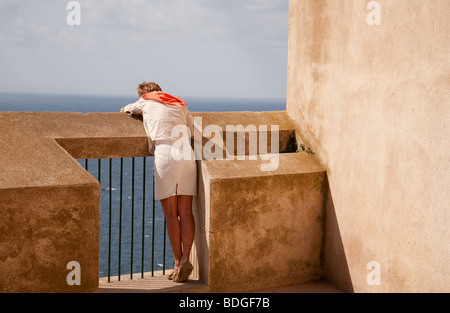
(187, 226)
(170, 208)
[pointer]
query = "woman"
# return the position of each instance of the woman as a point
(175, 174)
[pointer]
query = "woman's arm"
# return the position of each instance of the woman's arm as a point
(133, 108)
(195, 133)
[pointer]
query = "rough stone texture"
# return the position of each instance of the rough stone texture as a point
(254, 238)
(372, 102)
(42, 230)
(50, 204)
(258, 228)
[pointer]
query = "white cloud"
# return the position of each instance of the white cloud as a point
(197, 46)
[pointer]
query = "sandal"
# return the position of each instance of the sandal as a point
(183, 273)
(172, 275)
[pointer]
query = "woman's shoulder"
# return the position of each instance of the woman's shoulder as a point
(153, 106)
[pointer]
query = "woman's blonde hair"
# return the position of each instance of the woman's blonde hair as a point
(146, 87)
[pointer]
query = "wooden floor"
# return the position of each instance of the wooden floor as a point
(160, 284)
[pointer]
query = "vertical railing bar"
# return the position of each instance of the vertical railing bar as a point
(164, 248)
(110, 217)
(132, 218)
(153, 227)
(99, 170)
(120, 218)
(143, 216)
(99, 176)
(86, 164)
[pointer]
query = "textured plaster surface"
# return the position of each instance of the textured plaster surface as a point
(264, 228)
(373, 104)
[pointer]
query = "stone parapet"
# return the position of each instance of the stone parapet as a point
(258, 229)
(50, 204)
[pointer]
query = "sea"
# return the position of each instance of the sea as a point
(133, 237)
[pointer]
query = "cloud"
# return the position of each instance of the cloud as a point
(184, 21)
(196, 46)
(168, 22)
(7, 6)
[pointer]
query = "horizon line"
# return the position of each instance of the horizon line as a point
(134, 96)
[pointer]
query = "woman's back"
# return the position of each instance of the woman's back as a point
(161, 119)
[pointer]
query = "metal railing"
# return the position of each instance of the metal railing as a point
(132, 241)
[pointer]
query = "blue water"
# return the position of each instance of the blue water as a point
(94, 103)
(130, 219)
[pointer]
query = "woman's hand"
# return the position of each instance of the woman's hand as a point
(122, 110)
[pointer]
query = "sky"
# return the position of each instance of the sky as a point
(206, 48)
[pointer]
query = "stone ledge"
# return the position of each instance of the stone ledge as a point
(32, 158)
(289, 163)
(41, 180)
(50, 204)
(259, 229)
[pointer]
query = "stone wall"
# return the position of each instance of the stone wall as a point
(372, 102)
(254, 229)
(49, 204)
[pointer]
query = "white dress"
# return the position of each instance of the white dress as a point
(168, 128)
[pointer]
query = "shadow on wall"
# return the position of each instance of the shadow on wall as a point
(200, 249)
(336, 269)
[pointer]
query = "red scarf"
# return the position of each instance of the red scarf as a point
(164, 98)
